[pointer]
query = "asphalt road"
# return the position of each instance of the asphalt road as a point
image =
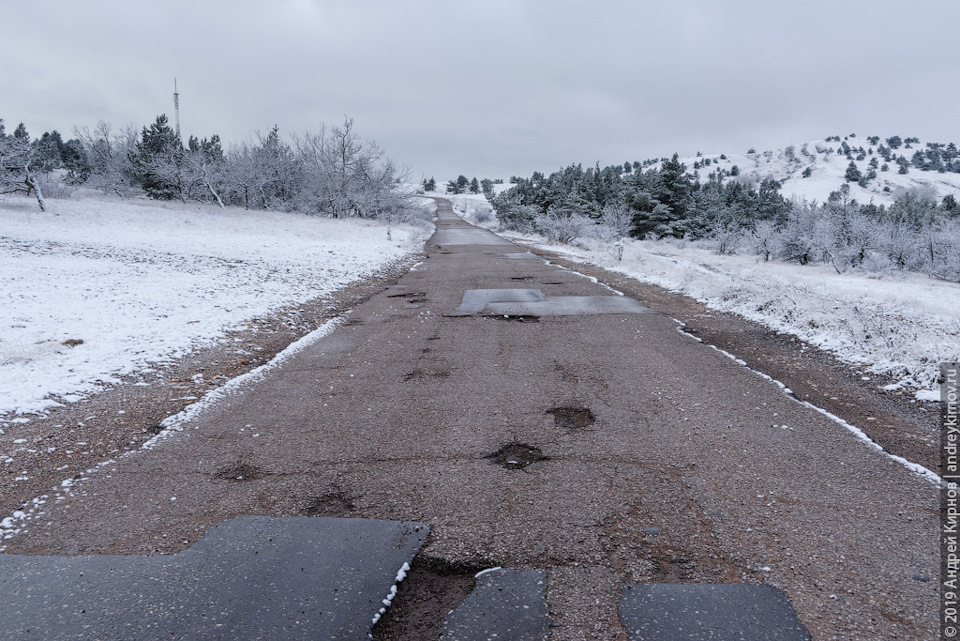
(602, 449)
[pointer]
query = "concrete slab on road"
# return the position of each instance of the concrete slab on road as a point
(251, 577)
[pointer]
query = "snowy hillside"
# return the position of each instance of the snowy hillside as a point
(825, 164)
(98, 288)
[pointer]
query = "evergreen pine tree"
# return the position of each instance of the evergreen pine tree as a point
(156, 158)
(853, 174)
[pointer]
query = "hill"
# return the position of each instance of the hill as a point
(812, 170)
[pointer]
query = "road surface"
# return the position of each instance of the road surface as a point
(537, 427)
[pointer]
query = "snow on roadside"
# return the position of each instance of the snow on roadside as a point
(99, 288)
(897, 324)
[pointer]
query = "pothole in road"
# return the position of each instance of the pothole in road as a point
(516, 456)
(154, 429)
(433, 588)
(419, 374)
(671, 565)
(572, 418)
(330, 504)
(520, 318)
(239, 472)
(521, 278)
(408, 295)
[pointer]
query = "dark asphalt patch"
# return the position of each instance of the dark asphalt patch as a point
(505, 604)
(722, 612)
(572, 418)
(475, 300)
(251, 577)
(516, 456)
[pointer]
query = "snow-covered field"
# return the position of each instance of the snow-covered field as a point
(96, 289)
(898, 324)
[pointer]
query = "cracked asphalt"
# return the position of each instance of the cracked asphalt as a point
(640, 456)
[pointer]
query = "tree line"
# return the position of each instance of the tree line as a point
(333, 172)
(733, 213)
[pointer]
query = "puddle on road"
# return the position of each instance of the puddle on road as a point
(516, 456)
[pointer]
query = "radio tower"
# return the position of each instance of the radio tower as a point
(176, 107)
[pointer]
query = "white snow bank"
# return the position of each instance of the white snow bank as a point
(140, 282)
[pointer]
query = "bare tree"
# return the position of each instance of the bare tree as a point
(345, 176)
(108, 152)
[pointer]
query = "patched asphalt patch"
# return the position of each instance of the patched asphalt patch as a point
(572, 418)
(516, 456)
(675, 612)
(250, 577)
(505, 604)
(239, 472)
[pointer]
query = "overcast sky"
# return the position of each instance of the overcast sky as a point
(493, 87)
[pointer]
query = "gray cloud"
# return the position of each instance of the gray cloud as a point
(497, 87)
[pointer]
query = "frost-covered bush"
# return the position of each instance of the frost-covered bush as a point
(615, 221)
(562, 229)
(483, 215)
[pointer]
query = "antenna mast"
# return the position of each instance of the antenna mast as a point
(176, 107)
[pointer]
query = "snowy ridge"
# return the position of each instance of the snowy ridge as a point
(827, 170)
